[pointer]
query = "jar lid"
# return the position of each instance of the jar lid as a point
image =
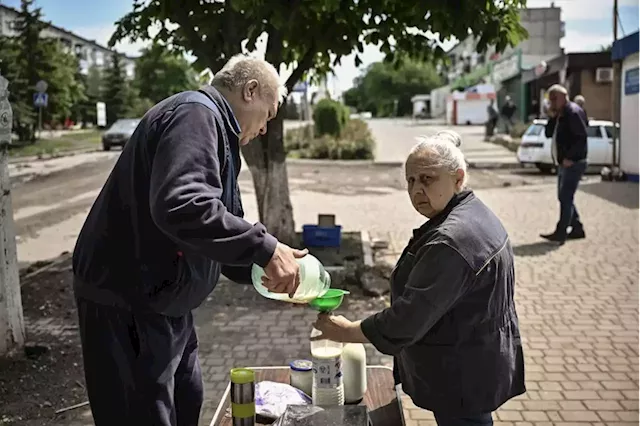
(301, 365)
(241, 376)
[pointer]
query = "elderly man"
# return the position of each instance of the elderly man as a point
(166, 224)
(567, 127)
(580, 101)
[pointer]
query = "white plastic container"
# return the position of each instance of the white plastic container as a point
(354, 372)
(314, 281)
(301, 375)
(328, 385)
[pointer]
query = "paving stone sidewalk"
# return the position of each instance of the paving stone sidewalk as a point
(578, 304)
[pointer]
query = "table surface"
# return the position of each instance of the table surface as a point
(381, 398)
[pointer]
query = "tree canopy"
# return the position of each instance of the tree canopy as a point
(161, 72)
(311, 37)
(383, 84)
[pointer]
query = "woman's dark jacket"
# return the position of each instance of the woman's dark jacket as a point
(452, 325)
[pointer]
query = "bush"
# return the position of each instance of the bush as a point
(330, 117)
(355, 143)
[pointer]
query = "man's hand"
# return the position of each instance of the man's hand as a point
(282, 273)
(567, 163)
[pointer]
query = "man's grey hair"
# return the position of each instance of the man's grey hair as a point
(558, 88)
(442, 150)
(579, 99)
(242, 68)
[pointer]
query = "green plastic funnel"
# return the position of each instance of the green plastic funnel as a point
(328, 302)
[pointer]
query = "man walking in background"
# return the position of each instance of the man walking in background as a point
(567, 126)
(507, 111)
(166, 224)
(580, 101)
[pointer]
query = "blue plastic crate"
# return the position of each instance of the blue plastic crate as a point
(317, 236)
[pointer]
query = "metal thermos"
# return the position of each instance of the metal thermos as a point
(243, 391)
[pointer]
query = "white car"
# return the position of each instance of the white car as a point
(535, 147)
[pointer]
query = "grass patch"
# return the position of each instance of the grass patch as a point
(53, 147)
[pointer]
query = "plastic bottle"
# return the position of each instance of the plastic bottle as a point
(314, 281)
(354, 371)
(328, 386)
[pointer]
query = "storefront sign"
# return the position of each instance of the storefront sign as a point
(506, 69)
(631, 85)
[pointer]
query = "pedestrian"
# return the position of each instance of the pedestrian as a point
(567, 126)
(452, 326)
(166, 224)
(580, 101)
(507, 111)
(492, 117)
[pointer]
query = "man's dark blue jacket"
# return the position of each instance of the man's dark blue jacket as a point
(168, 220)
(571, 136)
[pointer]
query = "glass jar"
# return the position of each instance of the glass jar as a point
(301, 375)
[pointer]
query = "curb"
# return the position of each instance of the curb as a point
(62, 154)
(493, 165)
(45, 268)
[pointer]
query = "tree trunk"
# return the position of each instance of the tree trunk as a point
(11, 318)
(266, 159)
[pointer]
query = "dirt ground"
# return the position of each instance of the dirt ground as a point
(49, 376)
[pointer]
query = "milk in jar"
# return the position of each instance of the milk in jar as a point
(354, 371)
(328, 386)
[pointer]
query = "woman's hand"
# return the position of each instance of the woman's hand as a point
(339, 329)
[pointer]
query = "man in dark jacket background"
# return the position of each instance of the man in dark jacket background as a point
(567, 126)
(166, 224)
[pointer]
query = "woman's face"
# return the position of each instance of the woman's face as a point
(430, 188)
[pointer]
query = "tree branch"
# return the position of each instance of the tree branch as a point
(198, 46)
(303, 65)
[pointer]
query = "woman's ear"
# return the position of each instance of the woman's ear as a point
(460, 175)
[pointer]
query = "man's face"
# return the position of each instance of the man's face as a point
(257, 108)
(557, 101)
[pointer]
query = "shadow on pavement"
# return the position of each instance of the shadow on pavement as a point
(539, 248)
(624, 194)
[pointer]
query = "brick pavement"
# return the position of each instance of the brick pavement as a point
(577, 304)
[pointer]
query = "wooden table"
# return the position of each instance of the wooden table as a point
(382, 399)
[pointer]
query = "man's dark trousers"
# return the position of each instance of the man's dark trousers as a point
(568, 181)
(140, 369)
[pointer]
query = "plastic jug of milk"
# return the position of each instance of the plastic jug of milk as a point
(328, 386)
(314, 281)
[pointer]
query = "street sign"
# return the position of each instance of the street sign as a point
(41, 86)
(101, 114)
(40, 100)
(300, 87)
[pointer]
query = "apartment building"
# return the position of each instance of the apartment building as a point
(545, 29)
(88, 51)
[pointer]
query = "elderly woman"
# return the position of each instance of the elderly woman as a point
(452, 326)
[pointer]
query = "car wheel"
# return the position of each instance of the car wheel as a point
(545, 168)
(106, 147)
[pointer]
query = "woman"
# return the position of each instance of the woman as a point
(452, 326)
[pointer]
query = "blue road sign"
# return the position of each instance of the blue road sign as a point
(40, 99)
(300, 87)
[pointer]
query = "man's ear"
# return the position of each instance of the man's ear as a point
(250, 90)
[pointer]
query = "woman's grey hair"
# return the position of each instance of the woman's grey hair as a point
(442, 150)
(242, 68)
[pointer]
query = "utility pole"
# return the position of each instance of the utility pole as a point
(615, 93)
(11, 319)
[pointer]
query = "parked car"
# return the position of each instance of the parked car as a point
(535, 147)
(119, 133)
